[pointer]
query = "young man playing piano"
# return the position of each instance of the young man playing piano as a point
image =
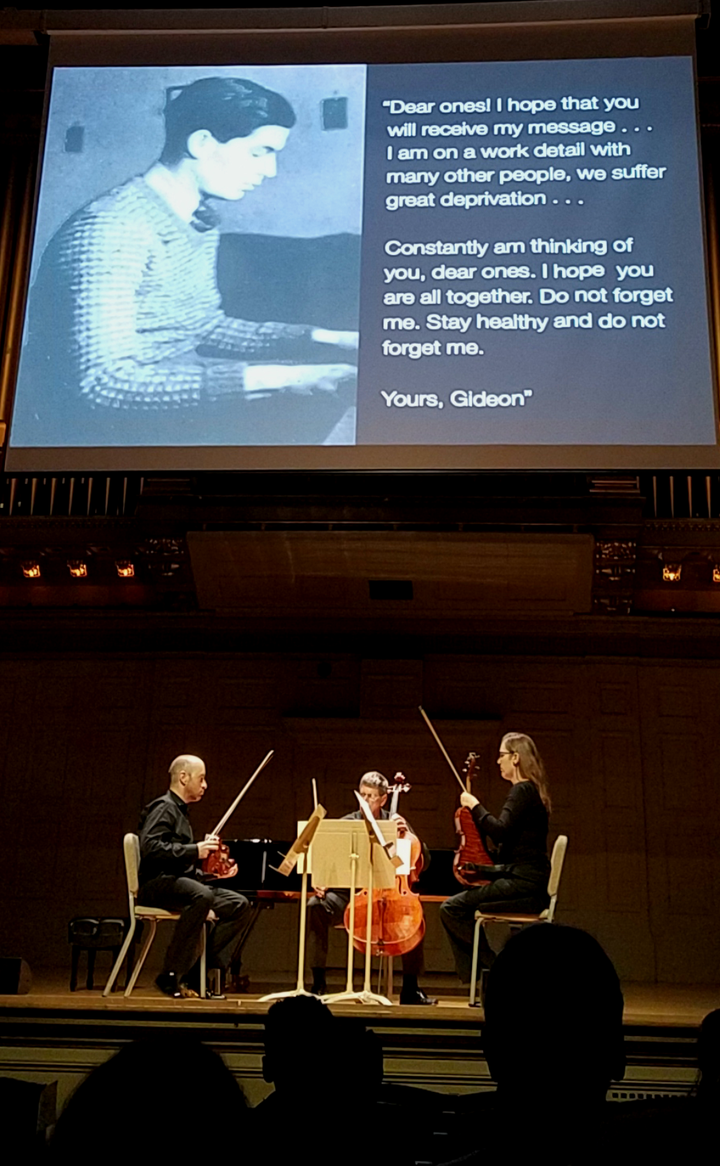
(327, 906)
(171, 878)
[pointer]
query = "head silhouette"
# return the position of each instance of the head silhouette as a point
(553, 1011)
(709, 1056)
(300, 1030)
(173, 1074)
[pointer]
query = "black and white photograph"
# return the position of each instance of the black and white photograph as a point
(195, 269)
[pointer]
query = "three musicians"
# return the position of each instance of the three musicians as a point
(515, 883)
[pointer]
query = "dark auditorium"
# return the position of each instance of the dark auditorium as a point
(359, 689)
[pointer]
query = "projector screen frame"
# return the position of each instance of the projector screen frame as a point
(395, 44)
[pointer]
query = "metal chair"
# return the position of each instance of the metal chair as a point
(514, 922)
(131, 851)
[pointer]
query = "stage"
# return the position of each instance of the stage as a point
(52, 1034)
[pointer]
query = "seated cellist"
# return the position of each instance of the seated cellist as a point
(327, 906)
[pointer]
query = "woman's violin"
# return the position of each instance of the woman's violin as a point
(471, 853)
(398, 923)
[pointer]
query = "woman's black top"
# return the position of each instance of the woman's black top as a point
(519, 834)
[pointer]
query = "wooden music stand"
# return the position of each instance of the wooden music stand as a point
(298, 853)
(355, 857)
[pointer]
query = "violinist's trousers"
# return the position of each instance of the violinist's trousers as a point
(193, 900)
(328, 912)
(517, 895)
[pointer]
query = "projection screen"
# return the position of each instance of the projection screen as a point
(352, 259)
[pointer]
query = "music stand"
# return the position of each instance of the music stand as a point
(298, 853)
(365, 842)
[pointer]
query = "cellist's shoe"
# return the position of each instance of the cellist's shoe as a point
(319, 984)
(417, 997)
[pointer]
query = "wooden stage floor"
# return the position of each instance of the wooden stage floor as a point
(53, 1034)
(663, 1005)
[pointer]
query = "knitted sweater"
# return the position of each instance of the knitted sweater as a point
(133, 295)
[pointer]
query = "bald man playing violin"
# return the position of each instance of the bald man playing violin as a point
(171, 878)
(326, 908)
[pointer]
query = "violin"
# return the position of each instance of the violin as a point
(398, 923)
(218, 864)
(471, 852)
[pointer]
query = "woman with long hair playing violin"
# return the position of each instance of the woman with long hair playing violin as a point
(517, 839)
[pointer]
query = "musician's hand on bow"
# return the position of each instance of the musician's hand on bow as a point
(209, 844)
(468, 800)
(320, 892)
(231, 872)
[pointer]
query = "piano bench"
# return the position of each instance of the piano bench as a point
(93, 935)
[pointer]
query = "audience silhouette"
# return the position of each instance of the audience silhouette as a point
(161, 1097)
(553, 1039)
(707, 1090)
(330, 1070)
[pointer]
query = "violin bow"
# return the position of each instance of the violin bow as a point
(443, 750)
(242, 793)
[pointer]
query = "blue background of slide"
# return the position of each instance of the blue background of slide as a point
(627, 387)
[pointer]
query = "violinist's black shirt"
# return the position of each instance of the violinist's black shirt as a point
(166, 840)
(520, 832)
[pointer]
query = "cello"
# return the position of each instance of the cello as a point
(471, 852)
(398, 923)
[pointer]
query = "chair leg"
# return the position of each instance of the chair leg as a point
(74, 967)
(389, 977)
(114, 953)
(203, 963)
(473, 972)
(143, 954)
(130, 956)
(119, 961)
(90, 982)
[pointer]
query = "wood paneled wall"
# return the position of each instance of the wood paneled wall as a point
(629, 746)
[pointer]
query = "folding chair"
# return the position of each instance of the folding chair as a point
(131, 850)
(515, 922)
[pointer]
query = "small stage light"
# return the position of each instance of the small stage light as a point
(672, 573)
(31, 570)
(77, 569)
(716, 573)
(125, 569)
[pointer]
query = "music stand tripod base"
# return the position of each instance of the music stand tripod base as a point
(366, 996)
(359, 997)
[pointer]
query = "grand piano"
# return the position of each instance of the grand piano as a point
(259, 879)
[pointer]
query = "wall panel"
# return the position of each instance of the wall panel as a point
(682, 797)
(87, 742)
